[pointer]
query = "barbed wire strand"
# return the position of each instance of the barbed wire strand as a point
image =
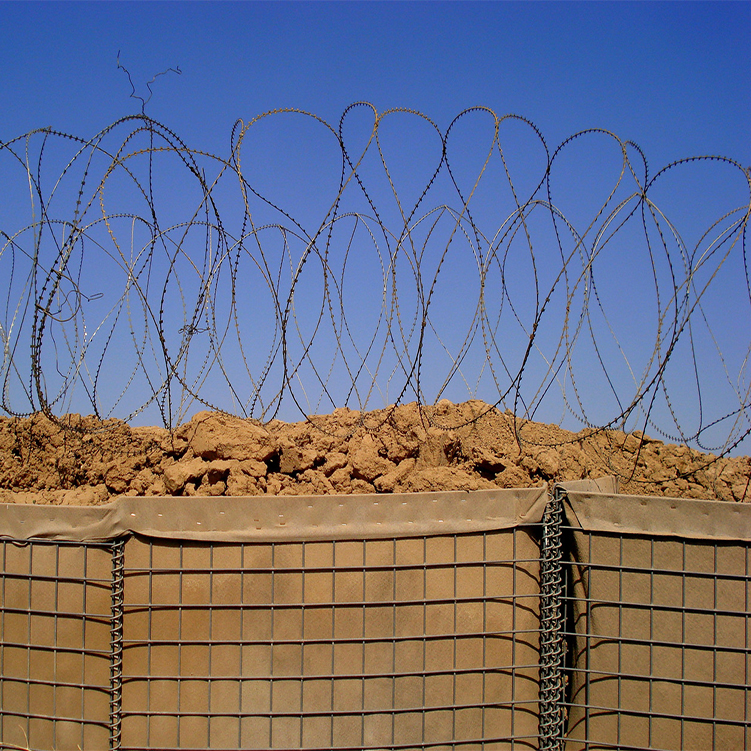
(118, 305)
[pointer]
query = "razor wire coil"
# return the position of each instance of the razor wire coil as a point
(144, 279)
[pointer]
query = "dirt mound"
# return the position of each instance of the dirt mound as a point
(467, 446)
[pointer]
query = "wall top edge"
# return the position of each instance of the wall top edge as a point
(658, 516)
(269, 518)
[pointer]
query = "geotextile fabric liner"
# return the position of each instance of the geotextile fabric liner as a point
(659, 630)
(269, 518)
(405, 621)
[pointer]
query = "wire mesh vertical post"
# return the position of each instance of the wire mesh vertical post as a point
(551, 627)
(116, 643)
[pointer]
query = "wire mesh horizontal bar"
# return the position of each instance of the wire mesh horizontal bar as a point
(655, 571)
(52, 717)
(205, 677)
(260, 570)
(316, 605)
(415, 709)
(54, 542)
(55, 648)
(665, 643)
(662, 679)
(651, 714)
(509, 742)
(129, 643)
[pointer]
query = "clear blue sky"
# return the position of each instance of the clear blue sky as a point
(673, 77)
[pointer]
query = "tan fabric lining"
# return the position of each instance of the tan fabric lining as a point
(266, 518)
(645, 515)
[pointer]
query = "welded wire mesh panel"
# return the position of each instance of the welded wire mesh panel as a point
(660, 634)
(55, 617)
(393, 643)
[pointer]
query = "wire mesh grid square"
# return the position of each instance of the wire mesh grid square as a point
(426, 642)
(659, 634)
(55, 657)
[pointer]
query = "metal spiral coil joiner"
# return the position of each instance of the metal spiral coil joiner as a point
(552, 645)
(116, 642)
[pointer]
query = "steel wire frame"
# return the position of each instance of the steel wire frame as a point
(181, 309)
(338, 664)
(124, 611)
(55, 673)
(658, 631)
(605, 628)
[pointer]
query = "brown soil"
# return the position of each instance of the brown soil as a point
(400, 449)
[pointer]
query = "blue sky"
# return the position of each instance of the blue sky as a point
(671, 77)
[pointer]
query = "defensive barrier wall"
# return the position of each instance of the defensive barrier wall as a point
(501, 619)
